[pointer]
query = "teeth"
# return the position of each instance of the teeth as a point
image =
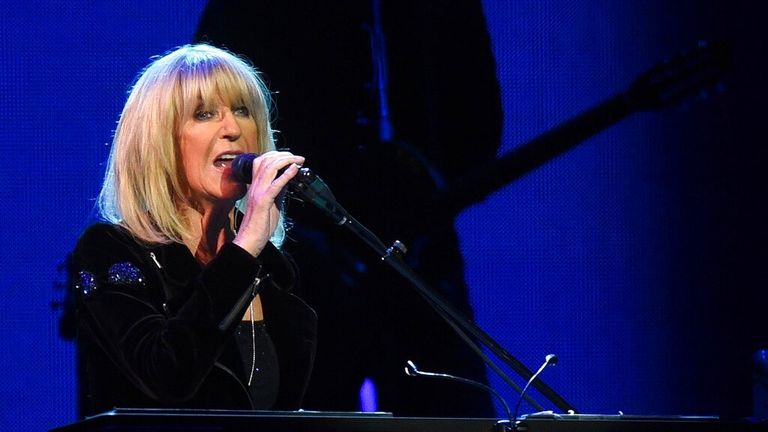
(224, 160)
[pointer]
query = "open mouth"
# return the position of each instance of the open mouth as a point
(224, 160)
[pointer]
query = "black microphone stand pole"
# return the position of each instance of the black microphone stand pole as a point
(309, 187)
(661, 86)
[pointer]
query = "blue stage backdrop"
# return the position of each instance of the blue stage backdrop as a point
(638, 258)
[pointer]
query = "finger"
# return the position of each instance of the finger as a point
(267, 192)
(282, 180)
(280, 162)
(267, 169)
(275, 161)
(275, 155)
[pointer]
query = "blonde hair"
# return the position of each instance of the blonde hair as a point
(143, 188)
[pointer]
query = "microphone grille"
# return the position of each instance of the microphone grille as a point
(242, 167)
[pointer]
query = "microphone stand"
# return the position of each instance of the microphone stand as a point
(661, 86)
(309, 187)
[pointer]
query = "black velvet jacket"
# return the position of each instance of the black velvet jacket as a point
(153, 323)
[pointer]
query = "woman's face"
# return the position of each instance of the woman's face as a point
(209, 141)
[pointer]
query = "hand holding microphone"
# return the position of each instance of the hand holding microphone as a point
(267, 174)
(304, 184)
(243, 165)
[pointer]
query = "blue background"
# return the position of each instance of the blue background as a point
(638, 258)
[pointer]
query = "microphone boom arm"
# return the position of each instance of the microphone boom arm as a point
(311, 188)
(663, 85)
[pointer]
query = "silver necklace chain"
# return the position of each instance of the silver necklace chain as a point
(254, 285)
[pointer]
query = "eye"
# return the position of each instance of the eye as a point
(241, 111)
(202, 115)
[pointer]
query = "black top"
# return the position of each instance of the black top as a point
(156, 329)
(261, 371)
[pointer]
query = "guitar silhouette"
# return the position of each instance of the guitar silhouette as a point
(666, 84)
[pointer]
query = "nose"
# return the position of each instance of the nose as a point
(230, 128)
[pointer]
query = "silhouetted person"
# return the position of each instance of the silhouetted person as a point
(445, 110)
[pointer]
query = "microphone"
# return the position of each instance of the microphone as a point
(412, 370)
(305, 185)
(549, 360)
(242, 167)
